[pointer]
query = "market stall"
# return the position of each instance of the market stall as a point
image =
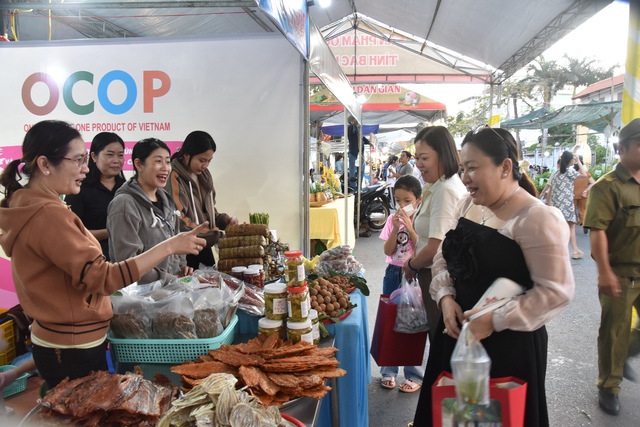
(327, 223)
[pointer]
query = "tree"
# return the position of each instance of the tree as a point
(583, 72)
(546, 77)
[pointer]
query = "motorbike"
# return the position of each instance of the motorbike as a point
(375, 208)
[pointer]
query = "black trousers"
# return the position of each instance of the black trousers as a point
(56, 364)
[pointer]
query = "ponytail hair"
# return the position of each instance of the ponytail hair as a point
(10, 180)
(499, 144)
(48, 138)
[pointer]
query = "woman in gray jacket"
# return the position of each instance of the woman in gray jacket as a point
(142, 214)
(191, 187)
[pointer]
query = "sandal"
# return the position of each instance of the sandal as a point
(388, 382)
(409, 386)
(578, 255)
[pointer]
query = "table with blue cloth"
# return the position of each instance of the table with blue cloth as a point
(352, 341)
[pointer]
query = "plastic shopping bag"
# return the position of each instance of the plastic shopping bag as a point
(411, 316)
(471, 367)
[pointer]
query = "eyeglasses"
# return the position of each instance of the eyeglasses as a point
(483, 127)
(79, 161)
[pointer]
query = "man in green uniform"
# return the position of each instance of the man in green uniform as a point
(613, 216)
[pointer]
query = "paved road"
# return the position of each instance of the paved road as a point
(572, 368)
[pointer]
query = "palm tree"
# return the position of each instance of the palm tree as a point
(583, 72)
(547, 77)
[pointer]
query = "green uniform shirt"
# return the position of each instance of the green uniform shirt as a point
(614, 206)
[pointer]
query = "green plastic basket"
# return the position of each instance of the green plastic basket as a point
(18, 386)
(167, 350)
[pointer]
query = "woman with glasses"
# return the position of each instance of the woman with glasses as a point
(191, 187)
(106, 159)
(502, 231)
(142, 214)
(61, 277)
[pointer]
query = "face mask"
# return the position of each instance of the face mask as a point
(412, 161)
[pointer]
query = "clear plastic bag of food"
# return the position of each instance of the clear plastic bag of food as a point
(411, 316)
(471, 367)
(249, 298)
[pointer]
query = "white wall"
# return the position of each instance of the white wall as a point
(246, 92)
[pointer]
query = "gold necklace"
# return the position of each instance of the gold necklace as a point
(483, 220)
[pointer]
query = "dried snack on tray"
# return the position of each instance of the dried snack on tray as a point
(102, 399)
(272, 370)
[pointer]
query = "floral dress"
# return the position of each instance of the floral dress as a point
(562, 192)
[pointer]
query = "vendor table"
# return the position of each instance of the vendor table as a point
(352, 341)
(327, 223)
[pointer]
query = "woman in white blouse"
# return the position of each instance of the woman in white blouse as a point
(437, 160)
(503, 230)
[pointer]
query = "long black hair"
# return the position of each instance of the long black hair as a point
(99, 143)
(565, 159)
(499, 144)
(195, 143)
(143, 149)
(49, 138)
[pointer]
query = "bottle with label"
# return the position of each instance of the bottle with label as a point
(294, 269)
(300, 331)
(298, 303)
(275, 301)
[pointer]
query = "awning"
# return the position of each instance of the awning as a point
(594, 115)
(524, 120)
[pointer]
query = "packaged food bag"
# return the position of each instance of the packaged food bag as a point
(471, 367)
(411, 316)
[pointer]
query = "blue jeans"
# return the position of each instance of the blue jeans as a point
(352, 169)
(391, 282)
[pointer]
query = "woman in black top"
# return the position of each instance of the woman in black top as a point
(105, 176)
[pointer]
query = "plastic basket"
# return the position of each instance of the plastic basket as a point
(7, 331)
(168, 350)
(18, 386)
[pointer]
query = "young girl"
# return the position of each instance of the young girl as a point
(400, 239)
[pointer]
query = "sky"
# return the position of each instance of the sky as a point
(603, 37)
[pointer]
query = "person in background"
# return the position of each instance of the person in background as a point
(404, 167)
(613, 218)
(61, 277)
(502, 232)
(581, 187)
(561, 184)
(105, 177)
(399, 244)
(356, 148)
(437, 160)
(339, 163)
(142, 214)
(191, 187)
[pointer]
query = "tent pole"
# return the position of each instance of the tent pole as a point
(345, 173)
(306, 153)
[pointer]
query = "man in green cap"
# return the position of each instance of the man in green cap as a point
(613, 216)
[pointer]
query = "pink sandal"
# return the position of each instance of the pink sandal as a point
(388, 382)
(409, 386)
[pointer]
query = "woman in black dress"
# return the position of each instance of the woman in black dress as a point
(106, 160)
(503, 230)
